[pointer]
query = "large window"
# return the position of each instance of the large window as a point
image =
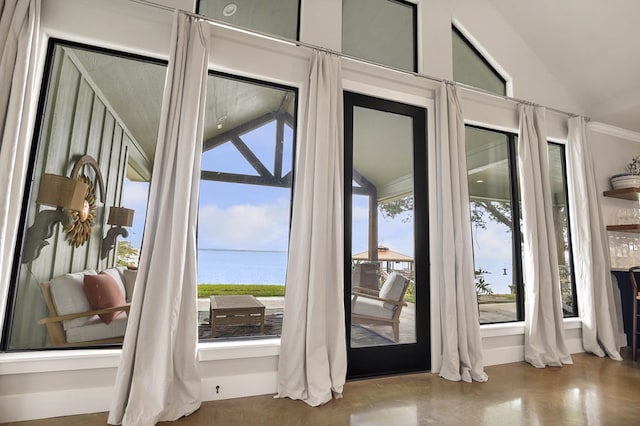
(558, 175)
(277, 17)
(85, 202)
(245, 203)
(381, 31)
(470, 67)
(496, 224)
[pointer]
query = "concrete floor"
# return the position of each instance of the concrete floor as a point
(594, 391)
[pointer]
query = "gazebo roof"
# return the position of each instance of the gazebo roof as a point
(385, 255)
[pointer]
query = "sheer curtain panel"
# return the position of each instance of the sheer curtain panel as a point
(19, 28)
(453, 256)
(158, 378)
(596, 304)
(313, 355)
(543, 326)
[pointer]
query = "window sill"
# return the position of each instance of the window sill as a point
(257, 348)
(502, 329)
(58, 360)
(517, 328)
(87, 359)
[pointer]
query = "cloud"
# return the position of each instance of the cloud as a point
(135, 194)
(492, 243)
(245, 226)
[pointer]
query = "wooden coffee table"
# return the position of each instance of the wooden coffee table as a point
(235, 310)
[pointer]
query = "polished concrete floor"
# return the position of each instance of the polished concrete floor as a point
(592, 391)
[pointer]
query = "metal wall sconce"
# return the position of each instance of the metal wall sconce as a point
(118, 217)
(57, 191)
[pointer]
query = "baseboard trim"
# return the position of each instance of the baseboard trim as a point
(239, 386)
(42, 405)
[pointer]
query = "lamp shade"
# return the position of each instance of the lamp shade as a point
(62, 191)
(120, 216)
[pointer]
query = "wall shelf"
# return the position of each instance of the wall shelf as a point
(632, 194)
(624, 228)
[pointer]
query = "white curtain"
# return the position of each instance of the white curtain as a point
(312, 363)
(596, 304)
(543, 325)
(19, 28)
(453, 253)
(158, 378)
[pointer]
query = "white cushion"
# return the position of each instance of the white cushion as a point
(372, 308)
(129, 282)
(95, 329)
(69, 298)
(392, 288)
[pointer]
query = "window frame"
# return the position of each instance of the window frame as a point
(516, 212)
(516, 239)
(28, 196)
(294, 146)
(299, 15)
(414, 21)
(471, 46)
(565, 185)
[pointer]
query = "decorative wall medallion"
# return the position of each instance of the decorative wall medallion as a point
(80, 229)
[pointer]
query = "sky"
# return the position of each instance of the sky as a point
(134, 196)
(492, 252)
(232, 216)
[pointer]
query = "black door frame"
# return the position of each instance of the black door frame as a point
(397, 358)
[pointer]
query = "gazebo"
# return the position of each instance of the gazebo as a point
(384, 254)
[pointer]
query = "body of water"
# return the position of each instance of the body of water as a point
(241, 267)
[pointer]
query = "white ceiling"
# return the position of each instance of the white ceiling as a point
(591, 46)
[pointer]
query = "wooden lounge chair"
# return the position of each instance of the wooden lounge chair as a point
(369, 307)
(77, 324)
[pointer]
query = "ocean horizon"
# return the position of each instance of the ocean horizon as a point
(229, 266)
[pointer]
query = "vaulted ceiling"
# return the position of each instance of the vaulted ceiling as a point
(590, 46)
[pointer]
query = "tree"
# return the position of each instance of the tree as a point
(495, 211)
(482, 287)
(126, 255)
(481, 211)
(391, 209)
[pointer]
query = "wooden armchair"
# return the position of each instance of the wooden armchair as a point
(369, 307)
(92, 332)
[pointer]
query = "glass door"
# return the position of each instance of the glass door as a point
(386, 251)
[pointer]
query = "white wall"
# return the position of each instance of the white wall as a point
(612, 149)
(45, 384)
(532, 79)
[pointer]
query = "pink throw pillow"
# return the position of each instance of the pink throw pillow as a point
(102, 292)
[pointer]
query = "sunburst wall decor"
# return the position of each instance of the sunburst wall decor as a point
(80, 229)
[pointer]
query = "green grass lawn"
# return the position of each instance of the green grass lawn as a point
(496, 298)
(206, 290)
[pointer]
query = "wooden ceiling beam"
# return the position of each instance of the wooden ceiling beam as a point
(238, 131)
(365, 183)
(284, 182)
(251, 157)
(279, 148)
